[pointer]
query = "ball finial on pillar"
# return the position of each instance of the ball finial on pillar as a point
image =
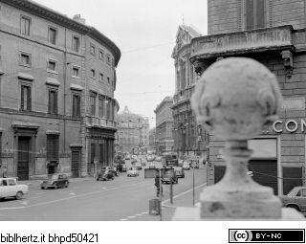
(234, 99)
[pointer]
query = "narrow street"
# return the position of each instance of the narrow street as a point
(122, 199)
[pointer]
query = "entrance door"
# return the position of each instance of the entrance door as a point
(23, 158)
(75, 162)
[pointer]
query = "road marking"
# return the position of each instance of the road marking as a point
(65, 199)
(123, 219)
(131, 217)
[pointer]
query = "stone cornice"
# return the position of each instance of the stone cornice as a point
(51, 15)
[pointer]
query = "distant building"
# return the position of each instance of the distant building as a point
(152, 140)
(133, 132)
(189, 137)
(57, 82)
(164, 126)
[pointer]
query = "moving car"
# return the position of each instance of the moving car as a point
(179, 171)
(55, 181)
(105, 175)
(132, 172)
(9, 187)
(296, 199)
(186, 165)
(169, 177)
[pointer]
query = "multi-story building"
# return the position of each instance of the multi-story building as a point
(152, 140)
(54, 71)
(133, 132)
(189, 137)
(164, 126)
(273, 33)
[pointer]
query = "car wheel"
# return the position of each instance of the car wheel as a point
(66, 184)
(19, 195)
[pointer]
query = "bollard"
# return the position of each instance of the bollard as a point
(234, 99)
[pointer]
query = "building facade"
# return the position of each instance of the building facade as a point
(47, 81)
(152, 140)
(189, 137)
(164, 127)
(273, 33)
(133, 132)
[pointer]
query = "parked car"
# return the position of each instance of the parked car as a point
(169, 176)
(296, 199)
(132, 172)
(179, 171)
(55, 181)
(9, 187)
(186, 165)
(105, 175)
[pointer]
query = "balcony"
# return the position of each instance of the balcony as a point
(238, 43)
(97, 122)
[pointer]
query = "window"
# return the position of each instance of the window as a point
(101, 106)
(26, 99)
(11, 182)
(92, 49)
(76, 44)
(93, 104)
(51, 65)
(76, 105)
(108, 59)
(108, 109)
(108, 80)
(255, 14)
(52, 105)
(25, 23)
(52, 147)
(101, 54)
(76, 71)
(25, 59)
(52, 35)
(101, 77)
(92, 73)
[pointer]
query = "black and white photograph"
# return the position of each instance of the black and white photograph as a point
(151, 110)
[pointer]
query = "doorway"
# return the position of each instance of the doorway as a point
(75, 162)
(23, 157)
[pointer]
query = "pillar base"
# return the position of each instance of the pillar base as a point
(247, 201)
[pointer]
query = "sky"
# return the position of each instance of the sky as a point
(145, 31)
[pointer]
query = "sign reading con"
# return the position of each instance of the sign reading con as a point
(290, 125)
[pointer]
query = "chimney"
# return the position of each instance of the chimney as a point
(78, 18)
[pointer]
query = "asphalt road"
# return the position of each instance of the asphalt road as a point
(123, 199)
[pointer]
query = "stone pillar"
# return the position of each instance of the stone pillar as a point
(234, 99)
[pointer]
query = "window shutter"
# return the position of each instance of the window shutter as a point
(22, 98)
(55, 102)
(50, 102)
(249, 14)
(260, 14)
(29, 99)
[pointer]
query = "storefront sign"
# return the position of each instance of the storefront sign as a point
(291, 125)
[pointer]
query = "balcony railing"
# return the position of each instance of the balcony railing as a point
(239, 42)
(93, 121)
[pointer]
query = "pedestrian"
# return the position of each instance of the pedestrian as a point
(157, 184)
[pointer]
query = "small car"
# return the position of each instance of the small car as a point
(9, 187)
(55, 181)
(169, 177)
(105, 175)
(186, 165)
(296, 199)
(132, 172)
(179, 171)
